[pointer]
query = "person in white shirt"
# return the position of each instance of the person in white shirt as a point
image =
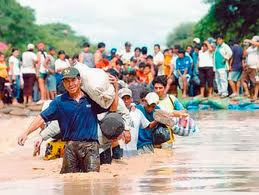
(29, 60)
(126, 54)
(250, 72)
(158, 58)
(15, 74)
(60, 64)
(138, 118)
(42, 72)
(205, 65)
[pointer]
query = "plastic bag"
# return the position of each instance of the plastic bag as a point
(184, 126)
(97, 85)
(112, 125)
(161, 135)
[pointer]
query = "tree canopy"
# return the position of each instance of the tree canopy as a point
(234, 19)
(18, 28)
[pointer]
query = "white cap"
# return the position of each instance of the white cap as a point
(197, 40)
(152, 98)
(125, 91)
(255, 38)
(30, 46)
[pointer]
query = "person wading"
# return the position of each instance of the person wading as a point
(77, 117)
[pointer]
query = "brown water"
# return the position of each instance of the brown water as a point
(222, 158)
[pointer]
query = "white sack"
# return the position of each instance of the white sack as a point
(97, 85)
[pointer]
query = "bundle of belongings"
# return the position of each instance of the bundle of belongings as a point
(184, 126)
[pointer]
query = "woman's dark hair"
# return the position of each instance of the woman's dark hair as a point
(161, 80)
(137, 48)
(75, 57)
(101, 45)
(142, 65)
(14, 49)
(144, 50)
(61, 52)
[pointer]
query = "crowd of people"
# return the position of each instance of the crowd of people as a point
(201, 69)
(143, 84)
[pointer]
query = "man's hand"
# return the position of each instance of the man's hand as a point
(127, 136)
(113, 80)
(22, 138)
(37, 144)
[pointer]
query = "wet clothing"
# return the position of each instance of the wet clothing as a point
(77, 120)
(145, 135)
(81, 156)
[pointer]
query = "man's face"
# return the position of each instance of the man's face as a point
(127, 48)
(52, 52)
(219, 41)
(188, 49)
(62, 56)
(86, 49)
(181, 55)
(127, 100)
(156, 49)
(72, 85)
(102, 49)
(2, 58)
(149, 108)
(137, 53)
(159, 89)
(204, 48)
(149, 61)
(16, 53)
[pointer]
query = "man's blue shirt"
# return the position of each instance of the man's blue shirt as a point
(77, 120)
(183, 64)
(145, 135)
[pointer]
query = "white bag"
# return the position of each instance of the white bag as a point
(97, 85)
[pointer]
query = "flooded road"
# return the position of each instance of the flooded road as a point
(222, 158)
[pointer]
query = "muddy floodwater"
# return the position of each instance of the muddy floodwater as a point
(222, 158)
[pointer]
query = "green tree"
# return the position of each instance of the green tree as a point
(232, 18)
(17, 23)
(182, 35)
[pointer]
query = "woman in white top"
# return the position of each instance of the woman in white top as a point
(15, 74)
(60, 64)
(29, 60)
(205, 64)
(42, 72)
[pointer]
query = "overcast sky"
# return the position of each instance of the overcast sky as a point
(142, 22)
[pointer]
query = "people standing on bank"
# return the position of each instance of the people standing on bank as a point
(86, 57)
(15, 75)
(29, 61)
(222, 55)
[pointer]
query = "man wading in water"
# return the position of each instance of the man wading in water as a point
(77, 117)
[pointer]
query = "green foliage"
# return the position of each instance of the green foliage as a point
(232, 18)
(18, 28)
(182, 35)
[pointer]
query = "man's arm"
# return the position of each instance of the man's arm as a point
(36, 123)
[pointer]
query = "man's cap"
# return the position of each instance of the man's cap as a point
(197, 40)
(255, 38)
(152, 98)
(127, 44)
(70, 72)
(125, 91)
(30, 46)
